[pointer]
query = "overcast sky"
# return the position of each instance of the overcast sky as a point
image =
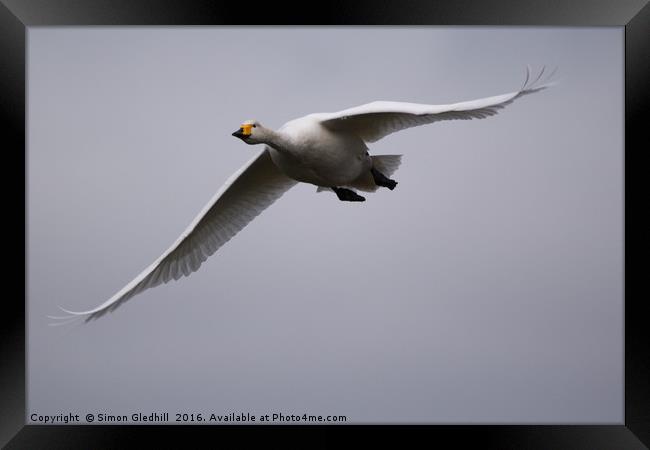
(486, 288)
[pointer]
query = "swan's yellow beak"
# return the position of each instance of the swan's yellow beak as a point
(246, 129)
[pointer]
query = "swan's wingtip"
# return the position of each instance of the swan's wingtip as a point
(523, 86)
(542, 80)
(75, 313)
(70, 317)
(59, 317)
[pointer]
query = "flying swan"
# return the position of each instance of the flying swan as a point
(325, 149)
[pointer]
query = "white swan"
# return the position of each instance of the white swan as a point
(326, 149)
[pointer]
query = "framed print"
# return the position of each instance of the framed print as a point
(468, 278)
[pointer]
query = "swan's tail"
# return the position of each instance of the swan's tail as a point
(387, 164)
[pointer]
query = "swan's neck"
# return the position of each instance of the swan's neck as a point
(277, 140)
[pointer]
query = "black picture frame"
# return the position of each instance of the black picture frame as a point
(17, 15)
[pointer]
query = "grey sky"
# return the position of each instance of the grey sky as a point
(487, 287)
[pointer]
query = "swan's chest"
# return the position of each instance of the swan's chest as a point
(317, 155)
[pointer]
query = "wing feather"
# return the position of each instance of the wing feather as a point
(376, 120)
(243, 197)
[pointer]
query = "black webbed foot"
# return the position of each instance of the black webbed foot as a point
(347, 195)
(382, 180)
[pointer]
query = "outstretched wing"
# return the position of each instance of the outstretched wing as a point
(247, 193)
(376, 120)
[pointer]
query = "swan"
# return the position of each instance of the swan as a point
(328, 150)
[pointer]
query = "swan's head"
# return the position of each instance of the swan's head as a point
(251, 132)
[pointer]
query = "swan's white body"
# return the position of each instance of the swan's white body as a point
(310, 152)
(325, 149)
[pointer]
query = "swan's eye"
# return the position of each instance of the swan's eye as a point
(254, 125)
